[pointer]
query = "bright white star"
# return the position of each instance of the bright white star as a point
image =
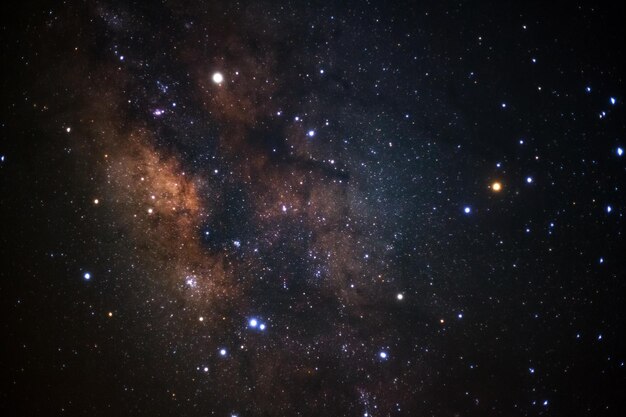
(218, 78)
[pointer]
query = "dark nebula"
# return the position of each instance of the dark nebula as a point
(313, 208)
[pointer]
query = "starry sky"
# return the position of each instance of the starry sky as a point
(297, 208)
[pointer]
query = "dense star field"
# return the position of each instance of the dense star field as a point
(312, 208)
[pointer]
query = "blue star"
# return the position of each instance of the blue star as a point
(87, 276)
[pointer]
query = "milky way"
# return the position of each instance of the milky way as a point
(260, 209)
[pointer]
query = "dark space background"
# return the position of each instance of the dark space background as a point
(319, 231)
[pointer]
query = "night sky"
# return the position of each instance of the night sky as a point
(342, 208)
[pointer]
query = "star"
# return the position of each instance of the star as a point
(217, 78)
(87, 276)
(496, 186)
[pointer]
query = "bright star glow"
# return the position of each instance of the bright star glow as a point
(613, 101)
(262, 327)
(383, 355)
(467, 210)
(311, 133)
(529, 180)
(223, 352)
(400, 296)
(87, 276)
(496, 186)
(253, 322)
(609, 209)
(218, 78)
(620, 151)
